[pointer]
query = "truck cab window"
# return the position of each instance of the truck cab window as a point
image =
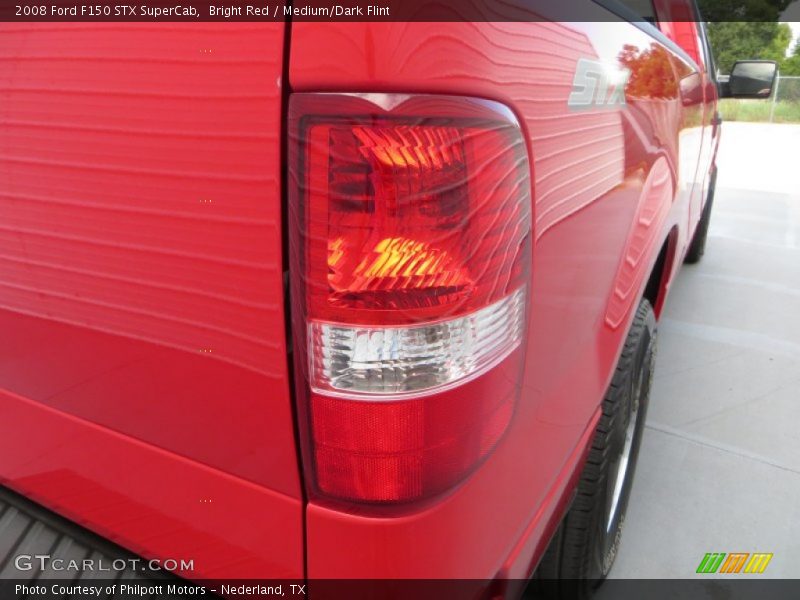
(643, 9)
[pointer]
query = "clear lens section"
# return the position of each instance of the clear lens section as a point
(393, 361)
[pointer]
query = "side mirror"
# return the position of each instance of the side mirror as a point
(750, 79)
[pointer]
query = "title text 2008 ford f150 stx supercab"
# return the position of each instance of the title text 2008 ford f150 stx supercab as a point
(362, 300)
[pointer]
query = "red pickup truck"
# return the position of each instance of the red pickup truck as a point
(312, 300)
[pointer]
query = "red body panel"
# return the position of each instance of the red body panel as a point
(145, 380)
(141, 288)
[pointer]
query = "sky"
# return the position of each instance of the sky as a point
(792, 16)
(795, 25)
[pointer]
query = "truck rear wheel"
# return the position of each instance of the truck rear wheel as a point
(584, 548)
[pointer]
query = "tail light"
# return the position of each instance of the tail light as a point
(410, 257)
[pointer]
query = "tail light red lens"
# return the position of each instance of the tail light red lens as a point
(410, 248)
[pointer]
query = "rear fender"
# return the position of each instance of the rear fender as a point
(644, 241)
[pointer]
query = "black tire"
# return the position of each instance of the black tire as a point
(584, 547)
(698, 246)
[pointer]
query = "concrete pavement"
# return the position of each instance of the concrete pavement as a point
(719, 468)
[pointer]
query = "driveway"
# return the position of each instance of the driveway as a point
(719, 468)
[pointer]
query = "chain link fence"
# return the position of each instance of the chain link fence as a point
(782, 107)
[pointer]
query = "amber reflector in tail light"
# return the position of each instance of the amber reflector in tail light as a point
(410, 257)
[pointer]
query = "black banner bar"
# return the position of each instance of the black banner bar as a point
(32, 11)
(734, 587)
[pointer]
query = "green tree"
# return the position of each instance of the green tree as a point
(748, 40)
(742, 10)
(791, 65)
(780, 44)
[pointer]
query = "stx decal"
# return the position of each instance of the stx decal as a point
(598, 85)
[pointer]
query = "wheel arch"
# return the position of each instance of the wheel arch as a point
(655, 291)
